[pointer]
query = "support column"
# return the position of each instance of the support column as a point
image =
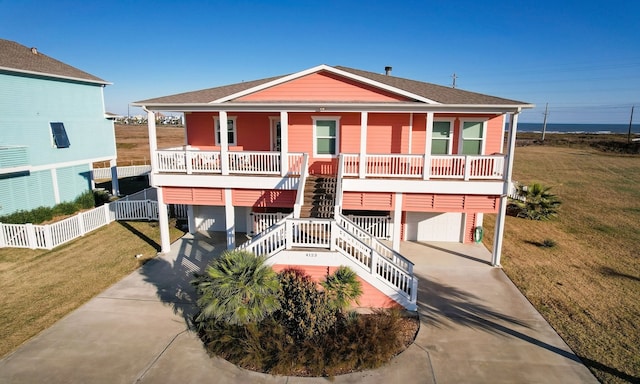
(284, 143)
(191, 219)
(55, 187)
(426, 171)
(502, 209)
(163, 222)
(153, 140)
(230, 219)
(224, 142)
(396, 218)
(363, 144)
(115, 185)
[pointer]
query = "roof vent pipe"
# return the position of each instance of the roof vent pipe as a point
(387, 70)
(34, 50)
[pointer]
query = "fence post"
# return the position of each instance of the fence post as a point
(48, 240)
(3, 242)
(414, 290)
(288, 234)
(107, 212)
(80, 220)
(31, 236)
(334, 235)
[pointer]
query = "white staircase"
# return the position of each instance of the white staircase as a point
(350, 245)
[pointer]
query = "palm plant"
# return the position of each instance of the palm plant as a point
(237, 288)
(535, 202)
(343, 287)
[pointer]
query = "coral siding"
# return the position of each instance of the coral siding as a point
(193, 196)
(418, 133)
(469, 227)
(493, 142)
(200, 129)
(416, 202)
(371, 297)
(388, 133)
(263, 198)
(322, 86)
(380, 201)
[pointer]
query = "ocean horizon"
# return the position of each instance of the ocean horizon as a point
(579, 128)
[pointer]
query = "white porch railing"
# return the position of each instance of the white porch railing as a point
(192, 161)
(378, 226)
(130, 171)
(412, 166)
(387, 267)
(262, 221)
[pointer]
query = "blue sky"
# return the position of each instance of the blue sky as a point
(581, 57)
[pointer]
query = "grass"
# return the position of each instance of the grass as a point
(39, 287)
(587, 285)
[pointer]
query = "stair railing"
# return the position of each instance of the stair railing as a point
(304, 173)
(371, 241)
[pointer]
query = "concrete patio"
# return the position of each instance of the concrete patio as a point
(476, 327)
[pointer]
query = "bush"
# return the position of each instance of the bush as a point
(305, 311)
(39, 215)
(343, 287)
(237, 288)
(535, 203)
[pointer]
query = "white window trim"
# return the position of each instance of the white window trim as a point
(272, 121)
(216, 120)
(484, 133)
(315, 137)
(451, 122)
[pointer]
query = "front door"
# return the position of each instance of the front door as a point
(276, 135)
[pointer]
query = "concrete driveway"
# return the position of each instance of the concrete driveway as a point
(476, 327)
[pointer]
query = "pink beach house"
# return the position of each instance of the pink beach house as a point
(336, 166)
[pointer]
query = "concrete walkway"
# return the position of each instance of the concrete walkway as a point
(476, 327)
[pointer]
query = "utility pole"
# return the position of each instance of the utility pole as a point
(544, 123)
(630, 124)
(454, 77)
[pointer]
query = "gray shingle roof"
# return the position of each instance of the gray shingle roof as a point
(23, 59)
(437, 93)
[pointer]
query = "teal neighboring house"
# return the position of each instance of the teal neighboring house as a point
(53, 127)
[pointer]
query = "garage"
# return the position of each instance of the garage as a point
(212, 218)
(434, 226)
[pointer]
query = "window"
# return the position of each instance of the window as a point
(472, 137)
(326, 136)
(60, 138)
(441, 138)
(231, 130)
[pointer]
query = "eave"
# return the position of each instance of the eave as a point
(51, 75)
(336, 107)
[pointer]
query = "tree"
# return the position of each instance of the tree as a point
(343, 287)
(534, 202)
(237, 288)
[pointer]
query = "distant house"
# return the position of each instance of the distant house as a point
(330, 146)
(53, 126)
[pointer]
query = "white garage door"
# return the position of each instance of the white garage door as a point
(427, 226)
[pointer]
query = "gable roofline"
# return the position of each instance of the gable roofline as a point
(319, 68)
(53, 75)
(19, 59)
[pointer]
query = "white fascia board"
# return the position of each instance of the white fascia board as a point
(454, 187)
(324, 67)
(54, 76)
(220, 181)
(269, 84)
(20, 169)
(399, 107)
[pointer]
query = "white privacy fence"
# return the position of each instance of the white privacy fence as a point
(49, 236)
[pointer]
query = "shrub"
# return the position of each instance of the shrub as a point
(237, 288)
(342, 287)
(66, 208)
(305, 311)
(535, 203)
(85, 200)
